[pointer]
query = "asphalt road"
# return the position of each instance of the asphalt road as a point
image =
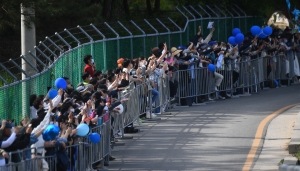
(216, 136)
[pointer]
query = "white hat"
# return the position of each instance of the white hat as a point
(81, 89)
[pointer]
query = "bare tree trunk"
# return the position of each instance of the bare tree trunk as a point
(149, 8)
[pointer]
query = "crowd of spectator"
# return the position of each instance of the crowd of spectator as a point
(98, 93)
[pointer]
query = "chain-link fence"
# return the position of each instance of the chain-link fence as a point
(61, 55)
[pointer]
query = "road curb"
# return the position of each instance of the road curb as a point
(294, 144)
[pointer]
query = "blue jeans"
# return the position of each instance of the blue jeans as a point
(155, 95)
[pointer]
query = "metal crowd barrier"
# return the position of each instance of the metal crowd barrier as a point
(83, 155)
(193, 84)
(245, 76)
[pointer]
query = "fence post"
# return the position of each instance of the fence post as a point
(29, 63)
(231, 16)
(194, 20)
(118, 37)
(186, 24)
(71, 35)
(198, 14)
(169, 39)
(239, 16)
(43, 54)
(37, 59)
(63, 40)
(143, 34)
(181, 31)
(244, 15)
(131, 44)
(217, 17)
(48, 38)
(225, 21)
(16, 65)
(85, 33)
(5, 82)
(42, 43)
(209, 16)
(11, 74)
(157, 34)
(103, 44)
(97, 30)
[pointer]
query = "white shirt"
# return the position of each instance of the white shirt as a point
(219, 62)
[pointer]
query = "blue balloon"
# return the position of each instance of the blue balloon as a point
(268, 30)
(239, 38)
(236, 31)
(51, 132)
(231, 40)
(255, 30)
(95, 137)
(82, 129)
(211, 67)
(60, 83)
(262, 35)
(52, 93)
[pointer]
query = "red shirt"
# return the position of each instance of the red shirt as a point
(88, 68)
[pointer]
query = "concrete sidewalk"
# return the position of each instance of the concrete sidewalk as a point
(276, 141)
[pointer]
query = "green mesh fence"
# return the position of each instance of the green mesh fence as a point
(139, 47)
(14, 99)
